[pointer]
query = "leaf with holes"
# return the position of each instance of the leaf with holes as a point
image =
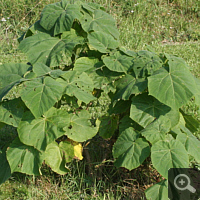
(80, 86)
(41, 94)
(42, 131)
(23, 158)
(80, 128)
(99, 21)
(11, 111)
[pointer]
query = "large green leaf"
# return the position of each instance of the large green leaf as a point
(60, 16)
(41, 94)
(23, 158)
(157, 130)
(118, 62)
(100, 21)
(51, 51)
(11, 75)
(191, 143)
(5, 172)
(102, 42)
(173, 85)
(128, 85)
(130, 151)
(108, 126)
(80, 86)
(80, 128)
(44, 130)
(159, 191)
(57, 155)
(145, 109)
(12, 111)
(169, 154)
(146, 63)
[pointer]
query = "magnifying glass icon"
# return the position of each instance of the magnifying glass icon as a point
(182, 182)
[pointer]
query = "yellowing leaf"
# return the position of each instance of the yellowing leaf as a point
(78, 149)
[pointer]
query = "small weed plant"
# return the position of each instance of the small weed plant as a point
(74, 57)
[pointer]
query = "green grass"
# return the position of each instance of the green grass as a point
(165, 25)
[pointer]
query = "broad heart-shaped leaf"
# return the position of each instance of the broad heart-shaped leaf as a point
(159, 191)
(11, 75)
(80, 86)
(118, 62)
(169, 154)
(51, 51)
(23, 158)
(42, 131)
(145, 109)
(129, 150)
(191, 143)
(5, 172)
(173, 86)
(79, 128)
(100, 21)
(108, 126)
(60, 16)
(102, 42)
(146, 63)
(128, 85)
(11, 111)
(157, 130)
(41, 94)
(57, 155)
